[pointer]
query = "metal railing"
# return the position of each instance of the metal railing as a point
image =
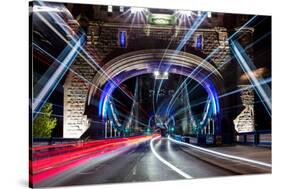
(262, 137)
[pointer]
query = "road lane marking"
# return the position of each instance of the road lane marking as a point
(174, 168)
(221, 154)
(135, 170)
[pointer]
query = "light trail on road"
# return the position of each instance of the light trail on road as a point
(174, 168)
(59, 160)
(221, 154)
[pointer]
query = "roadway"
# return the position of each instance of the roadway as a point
(156, 160)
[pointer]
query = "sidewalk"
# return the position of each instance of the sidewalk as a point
(258, 153)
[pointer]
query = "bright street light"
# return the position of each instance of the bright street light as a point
(137, 9)
(184, 12)
(156, 73)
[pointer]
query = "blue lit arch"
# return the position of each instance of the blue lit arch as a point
(147, 61)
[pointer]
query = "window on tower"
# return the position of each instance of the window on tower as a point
(199, 41)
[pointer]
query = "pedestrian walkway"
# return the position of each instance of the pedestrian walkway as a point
(257, 153)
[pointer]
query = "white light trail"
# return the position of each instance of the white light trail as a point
(226, 62)
(186, 37)
(74, 72)
(221, 154)
(180, 172)
(95, 65)
(246, 88)
(247, 66)
(195, 71)
(268, 80)
(57, 74)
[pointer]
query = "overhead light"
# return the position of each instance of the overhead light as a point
(121, 9)
(156, 73)
(137, 9)
(209, 14)
(199, 13)
(161, 75)
(184, 12)
(109, 8)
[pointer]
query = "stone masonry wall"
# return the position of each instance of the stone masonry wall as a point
(105, 39)
(76, 89)
(245, 121)
(102, 41)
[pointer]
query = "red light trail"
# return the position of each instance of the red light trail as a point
(61, 157)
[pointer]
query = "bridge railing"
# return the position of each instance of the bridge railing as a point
(188, 139)
(262, 137)
(54, 140)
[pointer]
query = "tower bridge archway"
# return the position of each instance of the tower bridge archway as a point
(141, 62)
(142, 56)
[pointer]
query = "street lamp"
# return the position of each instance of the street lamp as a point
(109, 8)
(121, 9)
(156, 73)
(184, 12)
(137, 10)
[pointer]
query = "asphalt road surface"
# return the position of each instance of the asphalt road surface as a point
(169, 161)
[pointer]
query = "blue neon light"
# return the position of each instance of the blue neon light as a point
(199, 41)
(109, 88)
(122, 39)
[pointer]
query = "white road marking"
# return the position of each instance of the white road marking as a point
(221, 154)
(166, 162)
(135, 170)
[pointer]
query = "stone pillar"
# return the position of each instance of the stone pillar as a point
(76, 88)
(216, 43)
(245, 121)
(245, 38)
